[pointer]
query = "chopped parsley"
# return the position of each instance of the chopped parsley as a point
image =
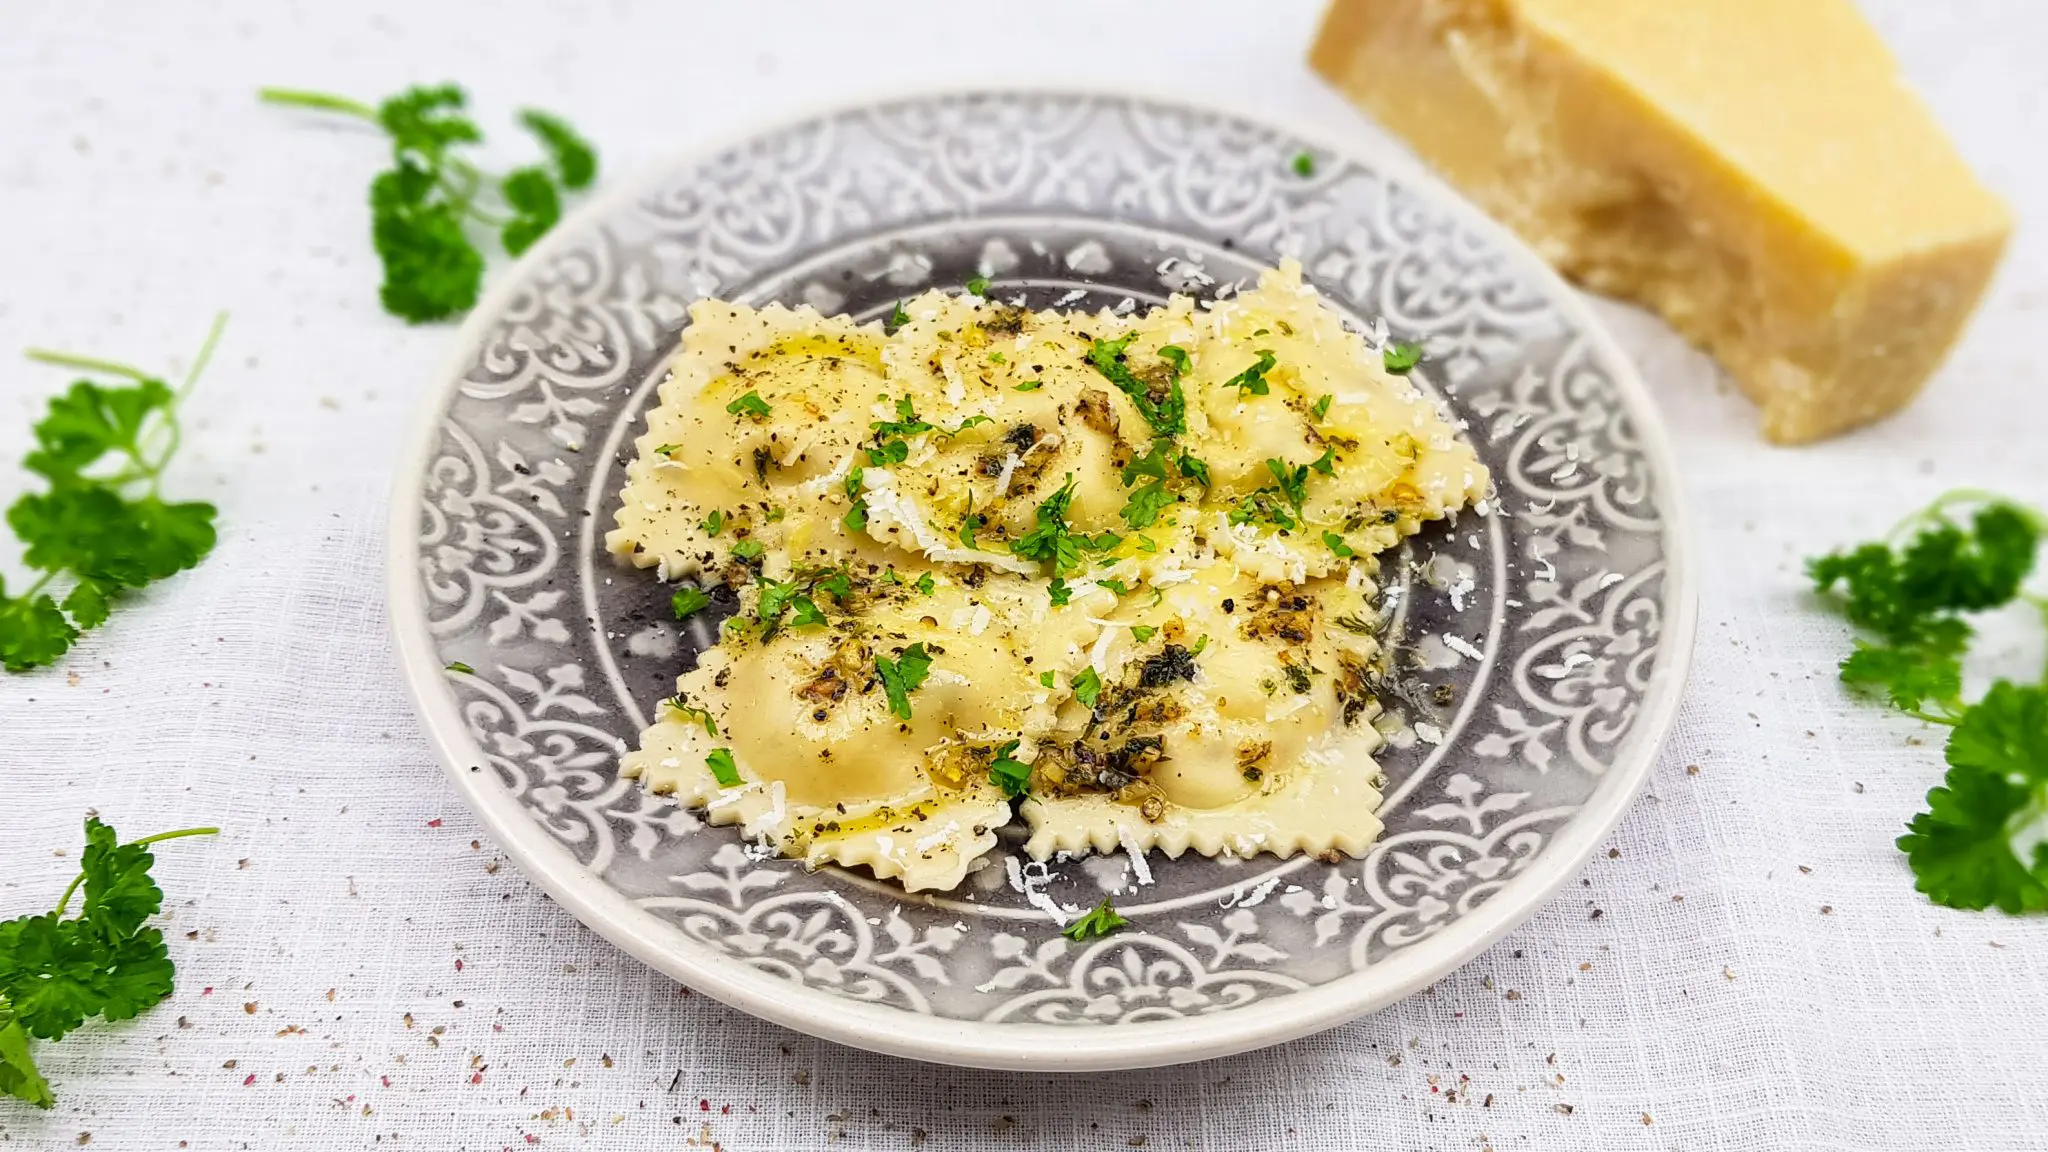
(1252, 381)
(901, 677)
(688, 601)
(1053, 543)
(1166, 412)
(1030, 386)
(997, 358)
(459, 666)
(1142, 508)
(1011, 775)
(1321, 407)
(714, 523)
(978, 285)
(1143, 632)
(1326, 463)
(1338, 546)
(727, 773)
(57, 973)
(1047, 679)
(1087, 687)
(1058, 592)
(1401, 355)
(856, 519)
(970, 524)
(1201, 642)
(1146, 544)
(1098, 921)
(1194, 470)
(897, 319)
(1175, 355)
(691, 712)
(751, 405)
(747, 549)
(665, 449)
(1304, 164)
(964, 425)
(924, 584)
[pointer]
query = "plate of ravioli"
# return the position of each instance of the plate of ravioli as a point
(1042, 580)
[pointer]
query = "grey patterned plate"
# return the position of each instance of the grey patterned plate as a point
(1558, 627)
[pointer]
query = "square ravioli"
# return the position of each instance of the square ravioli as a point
(1111, 574)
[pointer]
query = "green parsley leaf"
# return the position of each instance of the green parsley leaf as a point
(1326, 464)
(964, 425)
(997, 358)
(856, 518)
(714, 523)
(1201, 642)
(573, 157)
(723, 769)
(1401, 355)
(970, 524)
(1088, 687)
(1143, 632)
(1030, 386)
(1194, 470)
(1321, 407)
(1293, 481)
(665, 449)
(924, 584)
(691, 712)
(1164, 407)
(57, 972)
(978, 285)
(459, 666)
(422, 207)
(688, 601)
(1175, 355)
(1099, 921)
(902, 676)
(1047, 679)
(1058, 592)
(1011, 775)
(1117, 586)
(1304, 164)
(102, 525)
(806, 612)
(535, 204)
(897, 319)
(19, 1076)
(1338, 546)
(1145, 504)
(747, 549)
(1252, 381)
(1963, 848)
(1147, 544)
(751, 405)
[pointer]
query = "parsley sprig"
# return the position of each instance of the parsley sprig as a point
(1100, 920)
(57, 972)
(1977, 844)
(103, 528)
(423, 207)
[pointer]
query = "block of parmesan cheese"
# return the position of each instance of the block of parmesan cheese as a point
(1755, 170)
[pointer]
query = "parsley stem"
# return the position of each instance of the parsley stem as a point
(300, 98)
(80, 878)
(86, 363)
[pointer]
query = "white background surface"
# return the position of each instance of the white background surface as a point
(1759, 973)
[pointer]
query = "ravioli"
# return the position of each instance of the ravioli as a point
(1112, 573)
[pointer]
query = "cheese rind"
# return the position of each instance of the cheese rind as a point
(1754, 170)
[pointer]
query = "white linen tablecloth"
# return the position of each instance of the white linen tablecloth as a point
(1746, 966)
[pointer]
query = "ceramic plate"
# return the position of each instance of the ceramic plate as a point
(1557, 628)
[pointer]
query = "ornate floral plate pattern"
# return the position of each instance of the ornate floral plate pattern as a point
(1542, 646)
